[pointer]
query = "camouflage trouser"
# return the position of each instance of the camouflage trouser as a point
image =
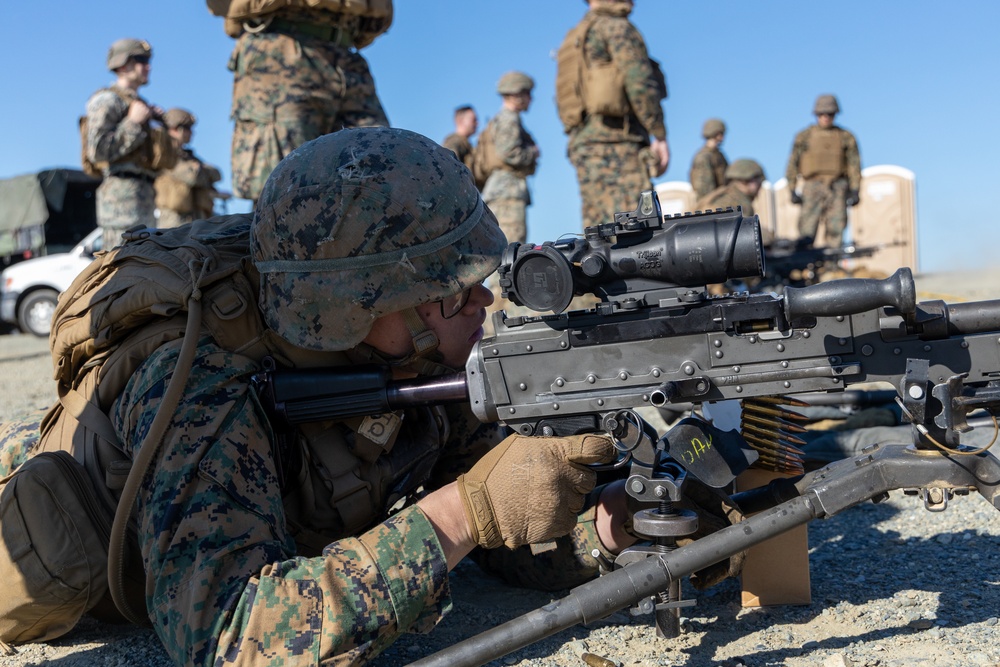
(121, 203)
(288, 91)
(824, 204)
(18, 439)
(512, 216)
(611, 176)
(170, 218)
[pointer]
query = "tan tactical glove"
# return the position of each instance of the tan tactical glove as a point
(528, 490)
(714, 513)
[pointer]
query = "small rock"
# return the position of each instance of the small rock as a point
(837, 660)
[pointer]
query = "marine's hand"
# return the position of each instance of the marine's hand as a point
(796, 198)
(528, 490)
(661, 150)
(853, 197)
(139, 112)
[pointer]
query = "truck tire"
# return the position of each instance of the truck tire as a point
(34, 314)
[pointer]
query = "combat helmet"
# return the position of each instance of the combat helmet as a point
(365, 222)
(178, 117)
(712, 127)
(744, 170)
(123, 49)
(513, 83)
(826, 104)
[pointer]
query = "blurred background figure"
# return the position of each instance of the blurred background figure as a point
(186, 192)
(124, 143)
(460, 141)
(708, 169)
(827, 159)
(297, 75)
(608, 92)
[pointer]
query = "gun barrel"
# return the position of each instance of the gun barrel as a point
(973, 317)
(314, 395)
(427, 391)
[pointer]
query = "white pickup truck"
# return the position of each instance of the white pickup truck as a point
(29, 289)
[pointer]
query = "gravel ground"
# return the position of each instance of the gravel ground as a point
(892, 586)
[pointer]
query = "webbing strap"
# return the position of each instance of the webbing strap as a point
(148, 450)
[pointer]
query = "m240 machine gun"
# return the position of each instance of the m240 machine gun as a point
(793, 264)
(657, 338)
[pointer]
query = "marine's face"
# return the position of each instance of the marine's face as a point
(468, 123)
(457, 330)
(825, 120)
(137, 70)
(182, 134)
(460, 332)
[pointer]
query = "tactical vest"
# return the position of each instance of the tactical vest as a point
(586, 87)
(375, 15)
(155, 153)
(487, 160)
(824, 154)
(175, 192)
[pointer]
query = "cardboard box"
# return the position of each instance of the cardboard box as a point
(776, 572)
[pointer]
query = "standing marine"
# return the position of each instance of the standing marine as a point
(504, 158)
(708, 169)
(459, 142)
(297, 74)
(186, 192)
(827, 159)
(124, 143)
(608, 93)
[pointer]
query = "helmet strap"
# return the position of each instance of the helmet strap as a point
(425, 341)
(421, 361)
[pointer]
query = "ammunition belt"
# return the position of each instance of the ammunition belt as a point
(340, 35)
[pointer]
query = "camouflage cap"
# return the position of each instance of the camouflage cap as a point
(365, 222)
(177, 117)
(826, 104)
(513, 83)
(744, 170)
(123, 49)
(712, 127)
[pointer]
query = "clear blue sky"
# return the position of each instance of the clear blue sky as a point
(917, 83)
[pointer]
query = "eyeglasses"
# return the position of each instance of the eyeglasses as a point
(142, 60)
(453, 305)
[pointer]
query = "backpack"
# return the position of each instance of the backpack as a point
(484, 156)
(158, 286)
(583, 88)
(569, 76)
(53, 555)
(156, 153)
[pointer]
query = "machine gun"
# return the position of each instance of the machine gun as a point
(789, 264)
(657, 338)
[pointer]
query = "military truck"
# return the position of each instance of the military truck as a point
(46, 212)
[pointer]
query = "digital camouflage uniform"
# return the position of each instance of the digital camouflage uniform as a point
(506, 189)
(825, 187)
(708, 170)
(125, 196)
(281, 551)
(611, 154)
(724, 196)
(291, 86)
(460, 146)
(186, 192)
